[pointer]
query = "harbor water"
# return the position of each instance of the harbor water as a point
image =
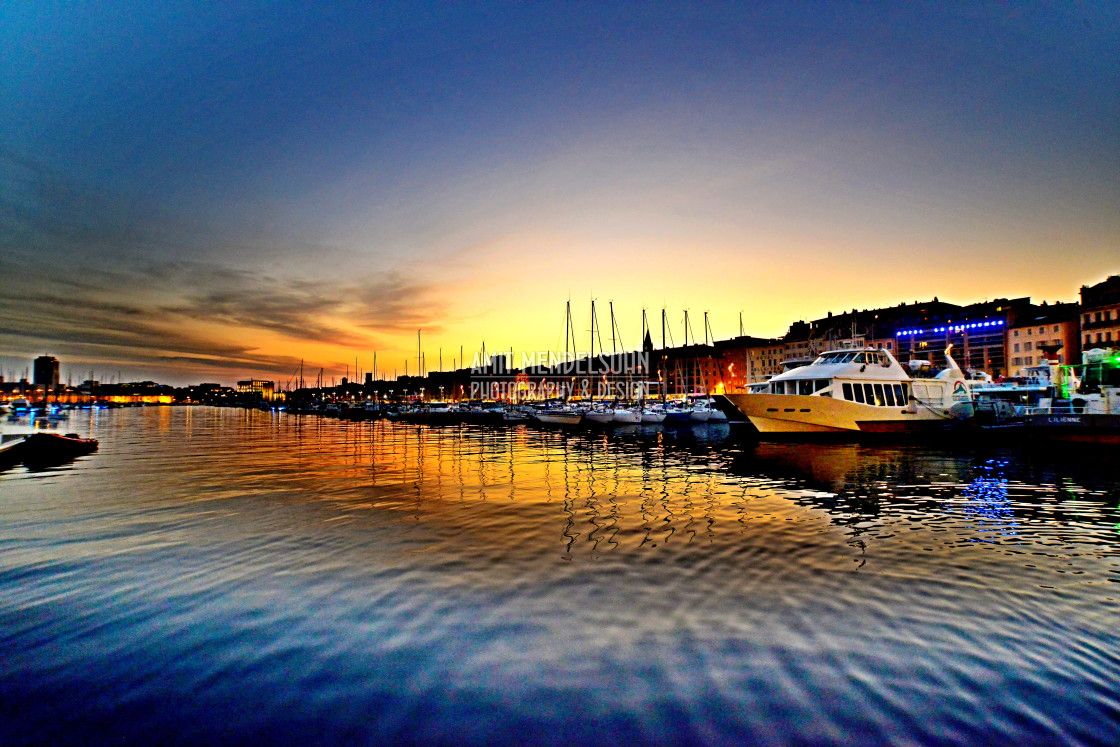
(232, 576)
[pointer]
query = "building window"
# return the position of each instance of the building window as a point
(1055, 327)
(1016, 348)
(1015, 333)
(1042, 330)
(1027, 346)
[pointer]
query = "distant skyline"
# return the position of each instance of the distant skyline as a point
(206, 192)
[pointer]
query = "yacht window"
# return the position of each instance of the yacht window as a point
(888, 391)
(901, 394)
(847, 391)
(821, 384)
(857, 390)
(880, 400)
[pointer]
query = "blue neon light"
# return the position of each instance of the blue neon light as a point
(951, 328)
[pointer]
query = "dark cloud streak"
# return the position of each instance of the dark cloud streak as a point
(92, 285)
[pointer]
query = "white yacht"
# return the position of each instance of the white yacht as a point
(859, 390)
(701, 411)
(600, 415)
(559, 415)
(627, 415)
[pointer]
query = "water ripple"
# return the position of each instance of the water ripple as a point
(224, 575)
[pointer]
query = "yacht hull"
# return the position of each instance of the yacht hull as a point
(559, 418)
(1074, 427)
(792, 413)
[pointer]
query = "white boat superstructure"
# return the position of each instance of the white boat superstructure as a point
(858, 390)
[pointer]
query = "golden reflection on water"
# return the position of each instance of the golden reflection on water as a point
(684, 572)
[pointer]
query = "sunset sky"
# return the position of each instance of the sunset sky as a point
(207, 191)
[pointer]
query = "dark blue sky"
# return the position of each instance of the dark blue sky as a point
(354, 171)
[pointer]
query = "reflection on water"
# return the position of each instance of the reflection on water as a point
(230, 575)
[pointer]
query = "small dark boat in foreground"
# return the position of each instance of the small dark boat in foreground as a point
(45, 449)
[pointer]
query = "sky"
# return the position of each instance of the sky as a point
(211, 191)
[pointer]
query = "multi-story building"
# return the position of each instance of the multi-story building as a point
(1048, 332)
(690, 369)
(746, 360)
(977, 333)
(46, 372)
(1100, 314)
(265, 390)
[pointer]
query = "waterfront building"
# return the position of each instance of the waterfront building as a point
(747, 360)
(265, 390)
(46, 372)
(1047, 332)
(977, 333)
(690, 369)
(1100, 314)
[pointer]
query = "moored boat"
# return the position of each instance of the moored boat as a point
(628, 415)
(859, 390)
(45, 449)
(599, 415)
(1085, 407)
(701, 411)
(558, 416)
(677, 413)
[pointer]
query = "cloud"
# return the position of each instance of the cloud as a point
(85, 281)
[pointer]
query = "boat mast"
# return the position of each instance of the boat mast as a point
(569, 335)
(664, 370)
(591, 353)
(614, 326)
(707, 331)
